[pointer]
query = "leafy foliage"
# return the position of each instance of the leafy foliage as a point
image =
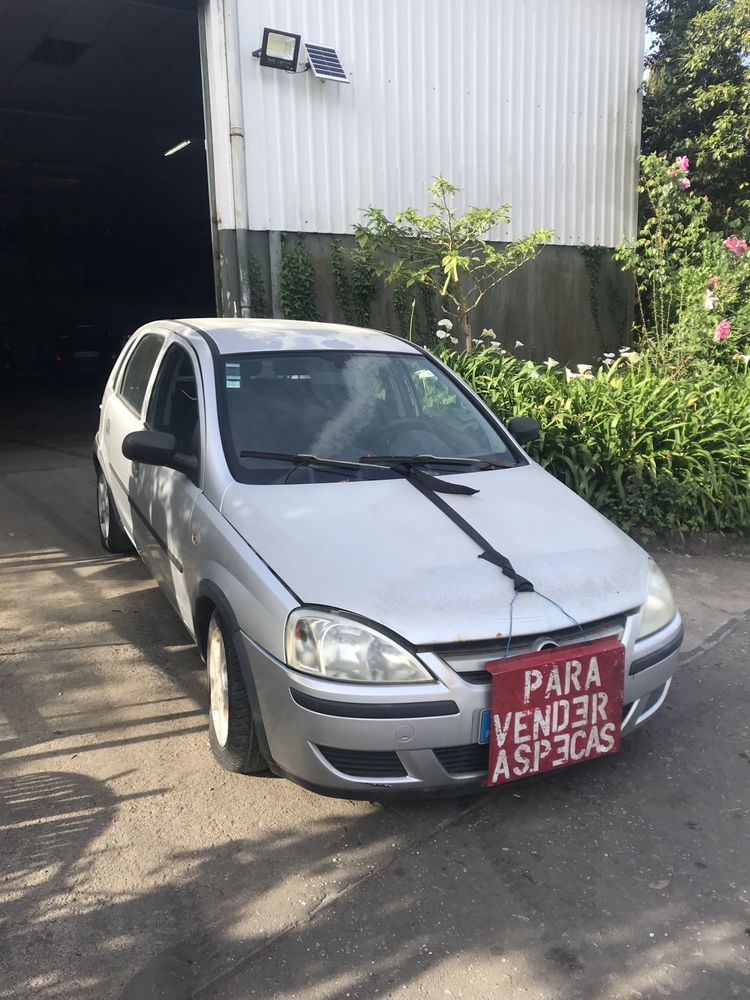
(444, 252)
(258, 296)
(356, 284)
(645, 449)
(697, 96)
(297, 283)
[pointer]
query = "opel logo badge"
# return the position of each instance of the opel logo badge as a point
(545, 643)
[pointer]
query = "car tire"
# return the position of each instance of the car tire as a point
(111, 532)
(231, 730)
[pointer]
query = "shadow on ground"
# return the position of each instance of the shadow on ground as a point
(625, 878)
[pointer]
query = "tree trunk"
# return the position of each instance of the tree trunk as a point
(462, 315)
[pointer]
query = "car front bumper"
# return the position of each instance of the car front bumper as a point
(363, 741)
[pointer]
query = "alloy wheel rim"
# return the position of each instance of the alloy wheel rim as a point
(103, 506)
(218, 685)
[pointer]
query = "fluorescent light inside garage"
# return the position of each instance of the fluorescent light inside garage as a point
(178, 147)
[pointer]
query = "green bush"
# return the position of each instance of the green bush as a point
(645, 449)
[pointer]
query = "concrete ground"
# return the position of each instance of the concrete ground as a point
(132, 867)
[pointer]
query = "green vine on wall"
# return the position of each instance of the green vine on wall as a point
(592, 259)
(259, 304)
(356, 283)
(415, 311)
(617, 307)
(297, 283)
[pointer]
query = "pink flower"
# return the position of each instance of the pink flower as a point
(684, 183)
(713, 282)
(672, 171)
(736, 246)
(722, 330)
(683, 164)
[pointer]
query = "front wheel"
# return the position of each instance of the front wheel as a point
(112, 535)
(231, 731)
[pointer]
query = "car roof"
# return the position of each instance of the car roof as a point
(241, 336)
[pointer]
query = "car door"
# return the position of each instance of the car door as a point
(163, 499)
(123, 414)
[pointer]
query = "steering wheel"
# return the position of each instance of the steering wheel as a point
(381, 442)
(451, 440)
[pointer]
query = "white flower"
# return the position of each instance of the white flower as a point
(632, 357)
(445, 323)
(453, 340)
(502, 351)
(519, 343)
(551, 363)
(487, 332)
(608, 355)
(624, 350)
(583, 369)
(441, 334)
(476, 342)
(742, 357)
(495, 344)
(569, 375)
(709, 301)
(533, 373)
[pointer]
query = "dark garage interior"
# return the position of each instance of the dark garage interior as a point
(99, 230)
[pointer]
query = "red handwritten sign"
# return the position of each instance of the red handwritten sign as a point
(558, 707)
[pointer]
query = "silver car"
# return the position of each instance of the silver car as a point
(353, 539)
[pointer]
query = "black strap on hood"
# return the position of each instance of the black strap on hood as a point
(429, 486)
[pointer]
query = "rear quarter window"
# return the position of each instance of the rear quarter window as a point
(138, 370)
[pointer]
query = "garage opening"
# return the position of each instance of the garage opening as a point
(104, 208)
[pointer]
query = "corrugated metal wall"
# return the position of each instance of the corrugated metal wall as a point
(532, 102)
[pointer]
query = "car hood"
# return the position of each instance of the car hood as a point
(381, 550)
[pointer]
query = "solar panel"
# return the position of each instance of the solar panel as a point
(325, 63)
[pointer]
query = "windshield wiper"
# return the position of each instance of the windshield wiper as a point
(412, 460)
(301, 459)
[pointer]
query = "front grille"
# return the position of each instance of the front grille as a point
(468, 658)
(469, 759)
(365, 763)
(476, 676)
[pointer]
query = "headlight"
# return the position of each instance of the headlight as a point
(329, 645)
(659, 609)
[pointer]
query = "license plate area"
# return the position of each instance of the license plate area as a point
(554, 708)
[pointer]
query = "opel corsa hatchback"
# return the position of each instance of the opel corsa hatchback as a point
(388, 593)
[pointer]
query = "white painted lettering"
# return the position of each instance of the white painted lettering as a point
(521, 732)
(532, 681)
(574, 753)
(593, 743)
(560, 715)
(573, 671)
(501, 766)
(522, 758)
(501, 731)
(593, 677)
(600, 701)
(553, 683)
(607, 737)
(580, 713)
(542, 720)
(562, 745)
(542, 750)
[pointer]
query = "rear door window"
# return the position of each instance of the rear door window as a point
(138, 370)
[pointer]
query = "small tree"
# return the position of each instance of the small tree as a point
(445, 252)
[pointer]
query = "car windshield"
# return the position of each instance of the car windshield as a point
(347, 406)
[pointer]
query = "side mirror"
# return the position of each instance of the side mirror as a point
(157, 448)
(524, 429)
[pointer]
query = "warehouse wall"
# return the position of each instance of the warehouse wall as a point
(532, 102)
